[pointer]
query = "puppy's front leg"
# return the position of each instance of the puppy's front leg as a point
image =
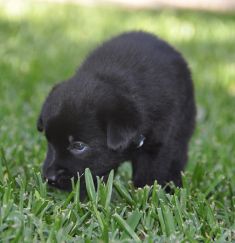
(165, 165)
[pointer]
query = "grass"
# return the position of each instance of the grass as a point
(41, 44)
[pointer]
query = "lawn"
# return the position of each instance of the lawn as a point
(41, 44)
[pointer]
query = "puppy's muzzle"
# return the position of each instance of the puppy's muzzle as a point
(58, 178)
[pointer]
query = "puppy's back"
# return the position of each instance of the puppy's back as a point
(144, 66)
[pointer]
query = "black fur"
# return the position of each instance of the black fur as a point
(134, 86)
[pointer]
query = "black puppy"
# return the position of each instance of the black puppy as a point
(132, 99)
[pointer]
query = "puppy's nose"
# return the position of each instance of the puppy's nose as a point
(54, 178)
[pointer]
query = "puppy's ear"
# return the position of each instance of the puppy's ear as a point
(120, 135)
(122, 126)
(40, 124)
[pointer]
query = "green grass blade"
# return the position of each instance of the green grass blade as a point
(109, 186)
(161, 220)
(126, 227)
(90, 185)
(169, 220)
(133, 220)
(123, 192)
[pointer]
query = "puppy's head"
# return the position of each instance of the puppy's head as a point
(85, 129)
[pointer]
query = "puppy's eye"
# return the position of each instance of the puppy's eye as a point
(77, 147)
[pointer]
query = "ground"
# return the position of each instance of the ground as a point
(41, 44)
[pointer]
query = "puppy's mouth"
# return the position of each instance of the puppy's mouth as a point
(64, 181)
